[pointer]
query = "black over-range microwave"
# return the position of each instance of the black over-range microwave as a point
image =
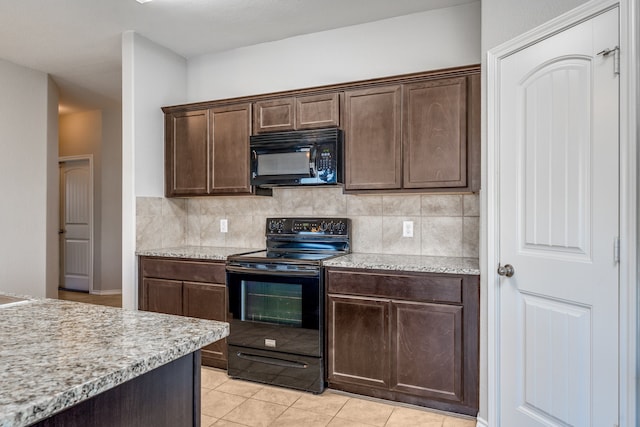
(305, 157)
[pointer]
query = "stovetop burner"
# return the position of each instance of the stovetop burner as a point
(300, 240)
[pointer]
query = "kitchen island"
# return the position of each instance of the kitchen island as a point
(67, 363)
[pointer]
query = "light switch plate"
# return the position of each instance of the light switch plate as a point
(224, 226)
(407, 228)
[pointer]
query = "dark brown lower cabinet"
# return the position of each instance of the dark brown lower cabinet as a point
(408, 337)
(208, 301)
(186, 288)
(162, 296)
(359, 341)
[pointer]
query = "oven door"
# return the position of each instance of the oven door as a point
(276, 311)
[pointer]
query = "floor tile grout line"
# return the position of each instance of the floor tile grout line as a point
(394, 406)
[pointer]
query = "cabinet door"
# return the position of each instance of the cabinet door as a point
(317, 111)
(427, 350)
(230, 128)
(208, 301)
(274, 116)
(187, 153)
(163, 296)
(358, 341)
(372, 138)
(435, 134)
(473, 131)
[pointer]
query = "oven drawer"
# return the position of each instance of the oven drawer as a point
(269, 337)
(270, 367)
(189, 271)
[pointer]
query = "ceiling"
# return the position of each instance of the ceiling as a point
(78, 42)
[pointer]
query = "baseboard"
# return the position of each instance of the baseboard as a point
(106, 292)
(481, 423)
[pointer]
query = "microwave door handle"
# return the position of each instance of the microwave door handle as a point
(313, 172)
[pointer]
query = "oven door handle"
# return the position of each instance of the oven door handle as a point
(293, 273)
(272, 361)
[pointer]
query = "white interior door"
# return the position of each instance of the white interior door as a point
(558, 208)
(76, 198)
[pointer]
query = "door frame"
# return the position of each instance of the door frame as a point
(490, 202)
(61, 160)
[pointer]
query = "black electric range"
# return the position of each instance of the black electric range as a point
(276, 302)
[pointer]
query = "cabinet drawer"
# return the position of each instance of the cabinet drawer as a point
(422, 287)
(193, 271)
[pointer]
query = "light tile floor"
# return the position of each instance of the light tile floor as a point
(229, 402)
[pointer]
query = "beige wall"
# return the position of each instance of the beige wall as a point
(503, 20)
(444, 225)
(29, 148)
(98, 133)
(53, 198)
(111, 176)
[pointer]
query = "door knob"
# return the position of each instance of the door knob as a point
(507, 270)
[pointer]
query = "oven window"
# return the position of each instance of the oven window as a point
(275, 303)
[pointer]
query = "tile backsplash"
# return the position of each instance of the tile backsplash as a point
(443, 225)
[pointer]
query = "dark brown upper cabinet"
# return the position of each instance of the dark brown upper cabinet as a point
(410, 133)
(187, 153)
(274, 116)
(296, 113)
(418, 135)
(373, 138)
(435, 134)
(317, 111)
(230, 129)
(207, 151)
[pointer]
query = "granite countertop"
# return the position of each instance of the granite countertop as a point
(54, 354)
(416, 263)
(195, 252)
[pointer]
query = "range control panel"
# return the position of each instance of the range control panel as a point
(322, 226)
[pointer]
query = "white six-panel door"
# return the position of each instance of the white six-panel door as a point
(559, 221)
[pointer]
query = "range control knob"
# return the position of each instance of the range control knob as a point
(276, 225)
(340, 227)
(325, 226)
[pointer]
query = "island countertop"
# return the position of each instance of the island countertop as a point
(54, 354)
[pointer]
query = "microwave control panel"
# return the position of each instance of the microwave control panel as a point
(326, 165)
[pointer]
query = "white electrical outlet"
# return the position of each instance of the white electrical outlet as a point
(224, 226)
(407, 228)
